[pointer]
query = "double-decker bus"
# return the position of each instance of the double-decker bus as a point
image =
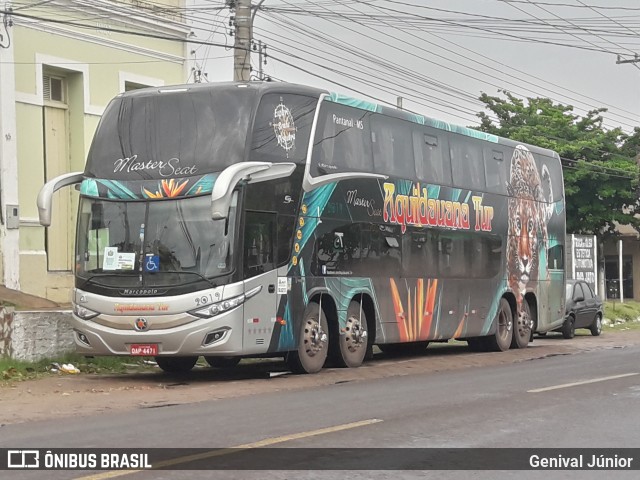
(269, 219)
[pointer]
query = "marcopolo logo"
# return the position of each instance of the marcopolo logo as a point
(23, 459)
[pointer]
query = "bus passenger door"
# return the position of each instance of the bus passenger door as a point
(259, 264)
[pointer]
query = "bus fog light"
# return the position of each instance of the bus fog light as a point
(83, 338)
(215, 336)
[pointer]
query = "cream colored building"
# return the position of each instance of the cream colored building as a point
(60, 64)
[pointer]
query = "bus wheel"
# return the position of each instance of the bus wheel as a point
(176, 364)
(313, 342)
(353, 342)
(522, 328)
(222, 362)
(501, 340)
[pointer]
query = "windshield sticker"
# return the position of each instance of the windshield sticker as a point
(284, 127)
(152, 263)
(126, 261)
(170, 168)
(114, 260)
(110, 259)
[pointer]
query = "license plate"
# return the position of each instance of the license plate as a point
(145, 350)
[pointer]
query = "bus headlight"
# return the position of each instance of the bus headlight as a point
(226, 305)
(83, 312)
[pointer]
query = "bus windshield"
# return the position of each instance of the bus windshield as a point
(173, 135)
(158, 243)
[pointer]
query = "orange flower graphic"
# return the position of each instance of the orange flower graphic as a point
(414, 323)
(167, 189)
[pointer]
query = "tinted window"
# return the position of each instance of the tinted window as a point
(555, 257)
(496, 169)
(577, 291)
(259, 236)
(343, 140)
(176, 134)
(338, 251)
(286, 225)
(392, 146)
(467, 165)
(432, 162)
(282, 127)
(419, 254)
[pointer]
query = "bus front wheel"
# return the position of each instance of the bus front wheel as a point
(176, 364)
(313, 342)
(349, 347)
(500, 341)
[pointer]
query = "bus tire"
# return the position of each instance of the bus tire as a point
(349, 348)
(222, 362)
(500, 341)
(176, 364)
(522, 331)
(313, 342)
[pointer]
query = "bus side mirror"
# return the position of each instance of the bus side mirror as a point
(45, 195)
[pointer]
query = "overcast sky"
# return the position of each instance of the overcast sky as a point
(439, 55)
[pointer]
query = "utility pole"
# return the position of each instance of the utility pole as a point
(242, 46)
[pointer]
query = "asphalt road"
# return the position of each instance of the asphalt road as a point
(586, 400)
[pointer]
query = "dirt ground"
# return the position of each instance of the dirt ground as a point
(87, 394)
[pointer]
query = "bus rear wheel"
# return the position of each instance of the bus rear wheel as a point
(176, 364)
(222, 362)
(313, 342)
(522, 327)
(500, 341)
(350, 347)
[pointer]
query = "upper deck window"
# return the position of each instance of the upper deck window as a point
(173, 134)
(467, 164)
(392, 146)
(342, 142)
(282, 128)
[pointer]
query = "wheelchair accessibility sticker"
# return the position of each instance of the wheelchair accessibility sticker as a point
(152, 263)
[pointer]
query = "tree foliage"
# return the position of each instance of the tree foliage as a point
(599, 166)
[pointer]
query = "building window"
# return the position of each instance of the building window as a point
(54, 88)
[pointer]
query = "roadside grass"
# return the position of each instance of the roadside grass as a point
(629, 311)
(14, 370)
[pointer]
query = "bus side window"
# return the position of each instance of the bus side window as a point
(419, 258)
(392, 146)
(259, 236)
(496, 170)
(286, 225)
(431, 163)
(467, 164)
(555, 257)
(342, 140)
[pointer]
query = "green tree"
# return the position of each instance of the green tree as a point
(600, 173)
